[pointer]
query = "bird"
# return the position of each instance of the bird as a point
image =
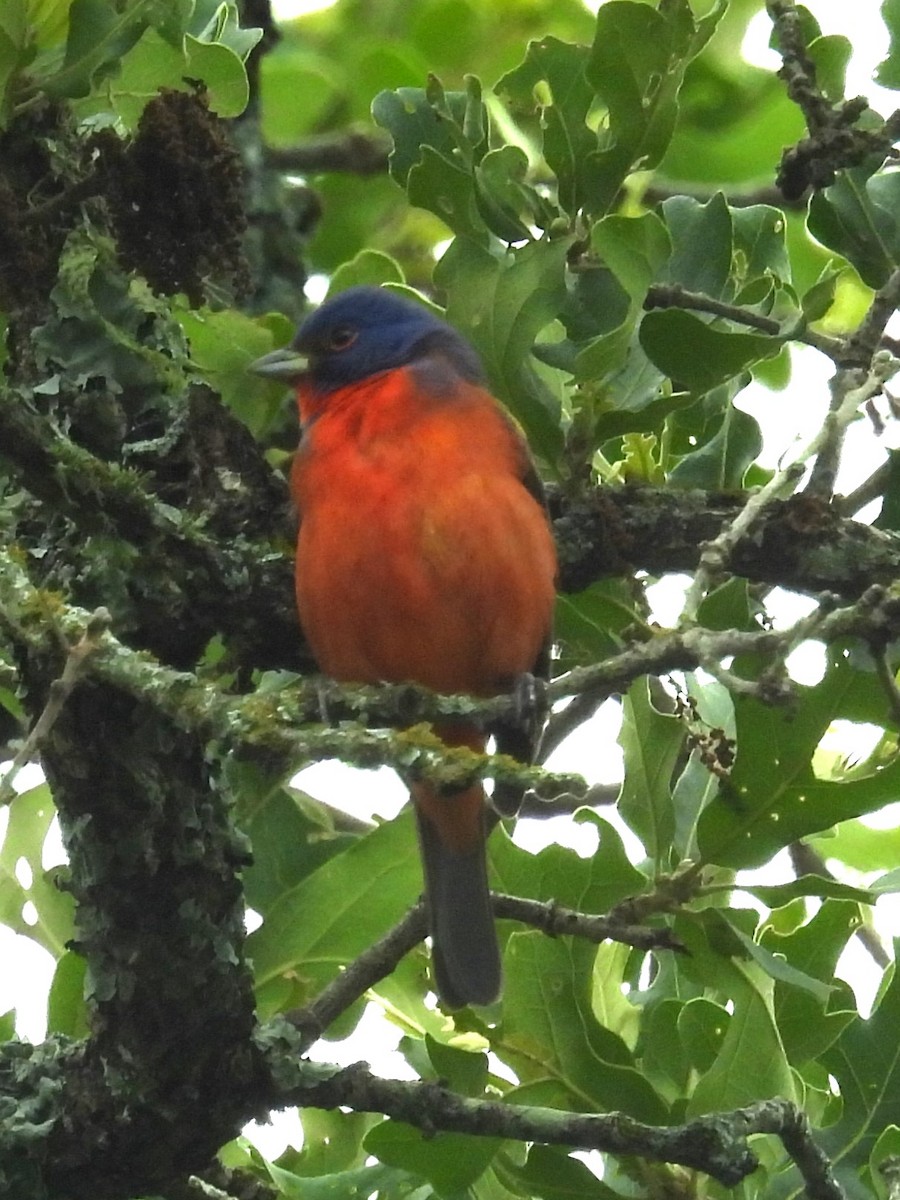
(424, 556)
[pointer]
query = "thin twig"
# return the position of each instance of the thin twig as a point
(369, 968)
(60, 690)
(557, 921)
(350, 151)
(865, 342)
(715, 555)
(380, 959)
(859, 354)
(870, 489)
(566, 721)
(806, 861)
(675, 296)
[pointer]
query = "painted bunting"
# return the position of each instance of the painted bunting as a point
(424, 556)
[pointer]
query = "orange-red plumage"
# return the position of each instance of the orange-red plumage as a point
(422, 557)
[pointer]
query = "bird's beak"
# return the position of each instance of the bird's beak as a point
(285, 364)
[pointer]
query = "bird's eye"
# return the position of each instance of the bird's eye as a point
(341, 338)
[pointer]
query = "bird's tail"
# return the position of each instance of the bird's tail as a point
(452, 831)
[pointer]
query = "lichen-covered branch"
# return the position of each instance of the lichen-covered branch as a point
(835, 139)
(275, 723)
(269, 723)
(715, 555)
(715, 1144)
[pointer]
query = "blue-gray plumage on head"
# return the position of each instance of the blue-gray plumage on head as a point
(362, 332)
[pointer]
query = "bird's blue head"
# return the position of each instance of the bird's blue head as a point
(361, 332)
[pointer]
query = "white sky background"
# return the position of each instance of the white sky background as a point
(592, 750)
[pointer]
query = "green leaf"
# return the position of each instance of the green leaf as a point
(507, 205)
(288, 845)
(773, 797)
(296, 89)
(502, 304)
(759, 242)
(550, 1173)
(30, 815)
(778, 894)
(462, 1070)
(603, 359)
(857, 217)
(172, 19)
(223, 73)
(355, 1184)
(587, 623)
(558, 874)
(340, 909)
(831, 54)
(16, 51)
(449, 1161)
(99, 36)
(694, 789)
(885, 1155)
(866, 1063)
(636, 66)
(751, 1063)
(651, 742)
(702, 245)
(696, 355)
(370, 267)
(818, 300)
(66, 1010)
(664, 1055)
(154, 63)
(860, 846)
(634, 248)
(550, 1034)
(552, 82)
(214, 21)
(609, 1004)
(776, 968)
(222, 345)
(702, 1026)
(888, 71)
(809, 1025)
(735, 119)
(723, 461)
(332, 1142)
(438, 138)
(447, 190)
(889, 517)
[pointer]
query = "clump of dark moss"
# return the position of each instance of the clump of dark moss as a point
(32, 224)
(176, 198)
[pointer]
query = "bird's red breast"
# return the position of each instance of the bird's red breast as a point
(422, 557)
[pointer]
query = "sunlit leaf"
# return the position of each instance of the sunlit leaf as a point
(651, 741)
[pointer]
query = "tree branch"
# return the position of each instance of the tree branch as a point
(716, 1144)
(352, 151)
(271, 722)
(833, 143)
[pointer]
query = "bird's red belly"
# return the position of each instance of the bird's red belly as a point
(452, 591)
